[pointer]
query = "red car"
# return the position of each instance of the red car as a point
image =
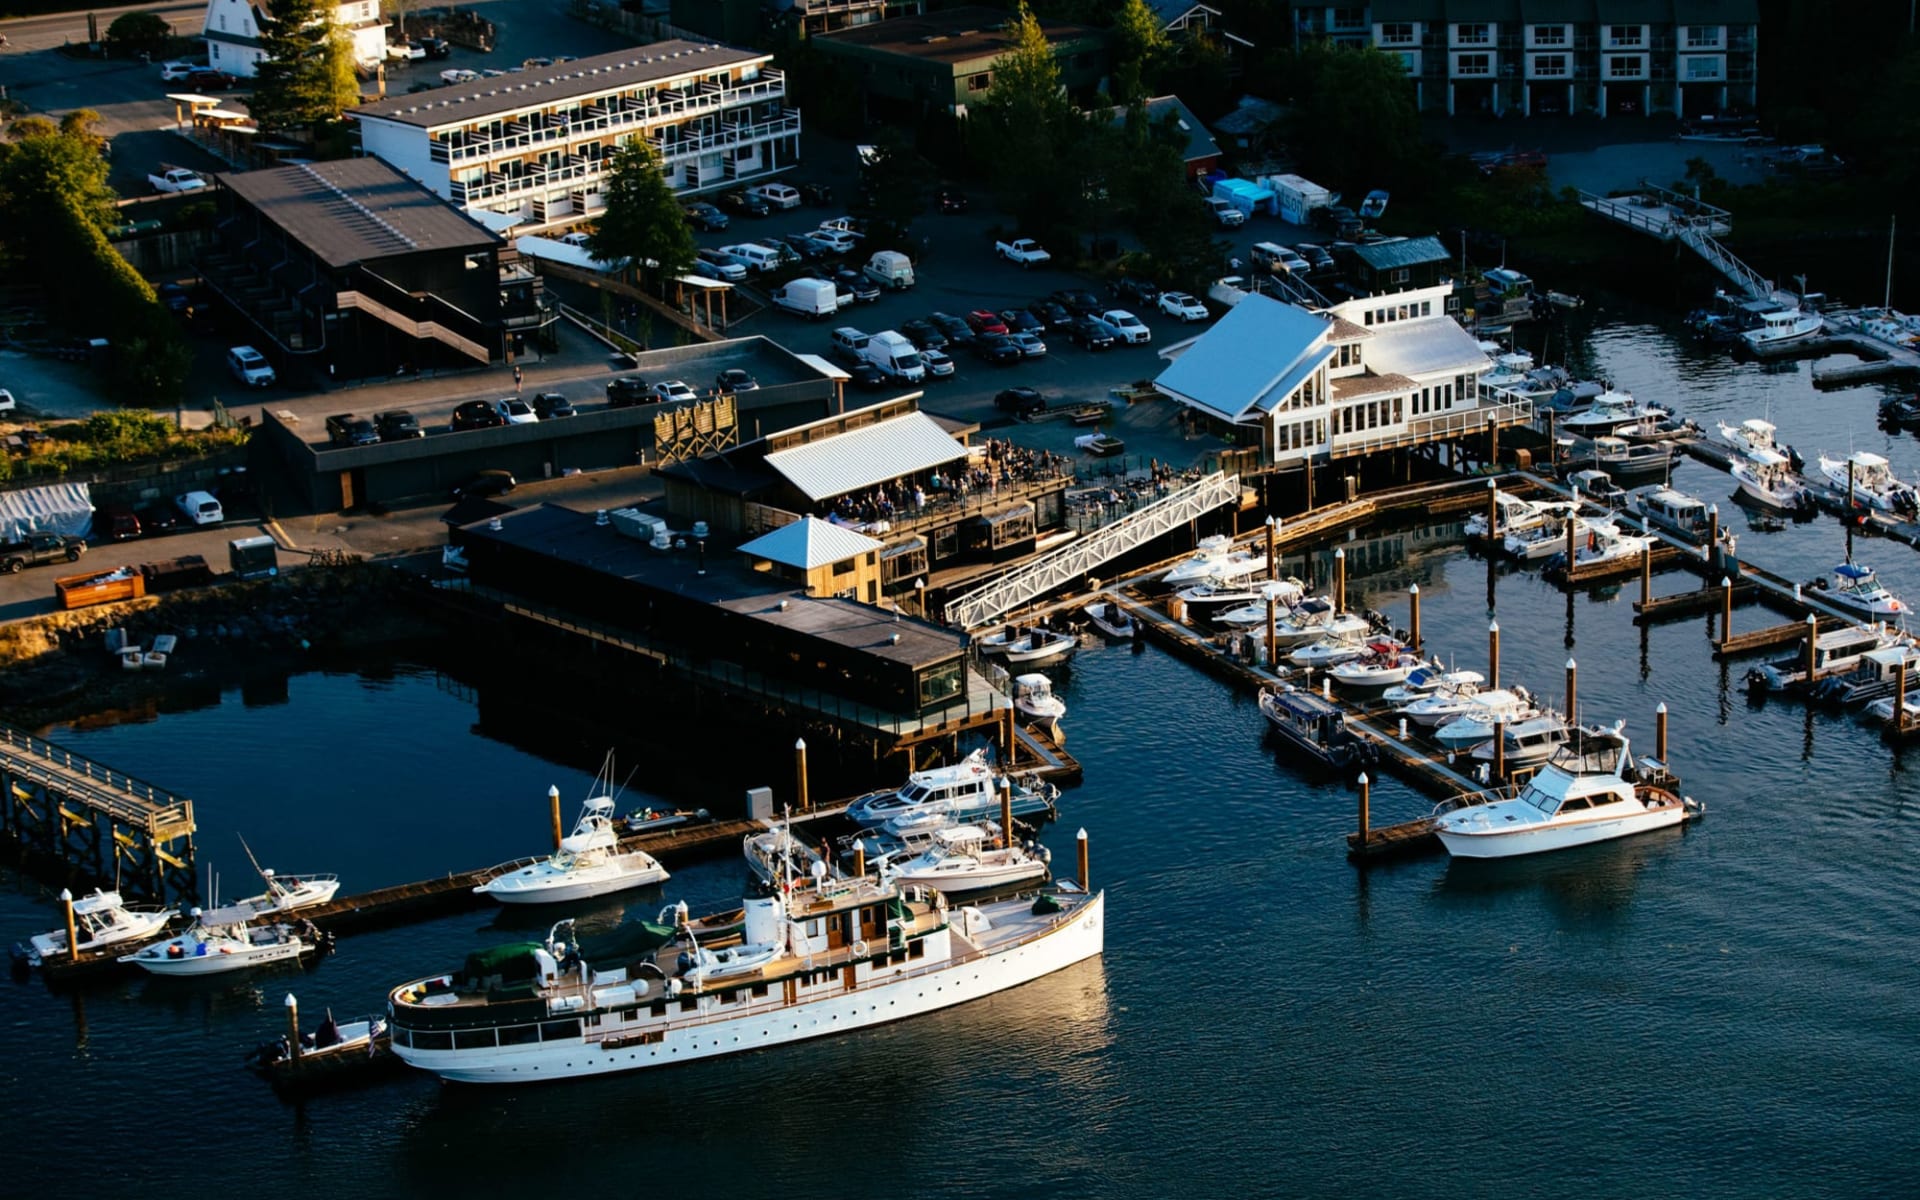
(982, 321)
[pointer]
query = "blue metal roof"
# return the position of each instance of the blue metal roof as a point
(1261, 348)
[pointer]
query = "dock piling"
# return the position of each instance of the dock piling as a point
(1273, 559)
(800, 773)
(1365, 788)
(73, 939)
(293, 1028)
(1006, 810)
(1660, 732)
(1726, 607)
(1413, 618)
(1713, 532)
(553, 802)
(1900, 696)
(1646, 574)
(1573, 523)
(1272, 649)
(1813, 649)
(1085, 876)
(1493, 513)
(1573, 694)
(859, 859)
(1493, 654)
(1500, 749)
(1340, 580)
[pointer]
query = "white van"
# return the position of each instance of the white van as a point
(778, 195)
(753, 256)
(894, 354)
(807, 297)
(200, 508)
(891, 269)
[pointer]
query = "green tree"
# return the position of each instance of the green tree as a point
(643, 223)
(1354, 122)
(1026, 131)
(299, 83)
(1160, 207)
(896, 186)
(139, 30)
(1141, 52)
(44, 166)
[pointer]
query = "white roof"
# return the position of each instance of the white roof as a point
(701, 281)
(823, 366)
(1867, 458)
(1423, 347)
(860, 458)
(1766, 457)
(1262, 349)
(809, 543)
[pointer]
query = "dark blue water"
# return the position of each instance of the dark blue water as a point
(1726, 1010)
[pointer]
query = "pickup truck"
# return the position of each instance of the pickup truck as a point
(1024, 251)
(1226, 214)
(177, 179)
(40, 548)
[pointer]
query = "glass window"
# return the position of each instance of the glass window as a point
(1472, 35)
(1703, 35)
(1623, 64)
(559, 1031)
(940, 684)
(1703, 68)
(1625, 35)
(1476, 64)
(519, 1035)
(979, 83)
(1549, 35)
(1549, 64)
(1396, 33)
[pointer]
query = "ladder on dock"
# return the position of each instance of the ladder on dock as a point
(1083, 555)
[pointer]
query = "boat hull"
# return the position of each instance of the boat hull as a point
(217, 963)
(566, 890)
(1515, 843)
(975, 881)
(1080, 936)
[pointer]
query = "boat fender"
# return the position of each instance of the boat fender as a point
(860, 949)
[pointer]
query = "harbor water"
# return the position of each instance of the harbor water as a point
(1724, 1010)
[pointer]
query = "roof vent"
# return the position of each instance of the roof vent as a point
(894, 640)
(783, 606)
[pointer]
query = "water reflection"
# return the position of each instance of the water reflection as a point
(1586, 883)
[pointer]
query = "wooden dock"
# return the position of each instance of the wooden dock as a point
(1792, 633)
(1707, 598)
(1664, 555)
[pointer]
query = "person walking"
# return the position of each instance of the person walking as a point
(517, 377)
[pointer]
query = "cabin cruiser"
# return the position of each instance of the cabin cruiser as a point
(1230, 570)
(1835, 651)
(100, 920)
(1329, 652)
(818, 956)
(1781, 326)
(1430, 712)
(965, 858)
(1547, 539)
(1611, 411)
(964, 791)
(1316, 726)
(1748, 436)
(1589, 791)
(1858, 590)
(1476, 725)
(1251, 601)
(1766, 477)
(1624, 459)
(1433, 679)
(1527, 743)
(1514, 372)
(589, 862)
(1111, 619)
(1598, 486)
(1877, 674)
(1199, 566)
(1515, 515)
(1867, 480)
(1606, 542)
(1387, 663)
(1577, 396)
(1033, 695)
(1314, 619)
(1675, 511)
(220, 940)
(1036, 647)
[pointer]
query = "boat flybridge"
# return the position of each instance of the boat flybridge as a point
(590, 862)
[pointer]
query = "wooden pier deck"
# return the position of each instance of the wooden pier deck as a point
(1707, 598)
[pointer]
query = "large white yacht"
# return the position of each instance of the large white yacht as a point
(588, 863)
(965, 791)
(1586, 793)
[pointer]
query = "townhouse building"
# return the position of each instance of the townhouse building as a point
(530, 149)
(233, 29)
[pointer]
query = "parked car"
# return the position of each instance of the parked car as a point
(789, 255)
(1019, 320)
(958, 332)
(1317, 255)
(815, 193)
(776, 195)
(157, 519)
(347, 429)
(733, 380)
(1182, 306)
(1030, 344)
(864, 374)
(517, 411)
(745, 203)
(39, 548)
(1091, 333)
(550, 406)
(865, 290)
(1079, 301)
(173, 72)
(923, 333)
(1020, 401)
(704, 216)
(250, 367)
(720, 264)
(939, 365)
(203, 80)
(199, 508)
(981, 320)
(436, 48)
(626, 391)
(808, 246)
(476, 414)
(486, 484)
(1127, 327)
(397, 425)
(116, 523)
(1291, 262)
(1136, 290)
(1051, 314)
(837, 241)
(951, 200)
(674, 391)
(997, 348)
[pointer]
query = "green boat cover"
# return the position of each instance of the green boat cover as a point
(512, 962)
(624, 943)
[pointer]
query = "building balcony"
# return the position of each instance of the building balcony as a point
(686, 146)
(611, 115)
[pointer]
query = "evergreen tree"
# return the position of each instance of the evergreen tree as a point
(300, 82)
(643, 223)
(1141, 52)
(1027, 133)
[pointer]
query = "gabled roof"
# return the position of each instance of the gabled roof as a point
(809, 543)
(1252, 116)
(1257, 353)
(1402, 252)
(861, 458)
(1170, 11)
(1424, 346)
(1198, 142)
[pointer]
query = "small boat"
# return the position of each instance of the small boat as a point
(588, 863)
(1514, 515)
(776, 854)
(1314, 619)
(285, 893)
(1328, 652)
(1199, 566)
(965, 858)
(1476, 724)
(1674, 511)
(966, 791)
(220, 941)
(1038, 646)
(1431, 712)
(1286, 594)
(1610, 411)
(334, 1051)
(1667, 429)
(1575, 396)
(1598, 486)
(1624, 459)
(1236, 568)
(1588, 792)
(1881, 710)
(1877, 674)
(1433, 679)
(1033, 695)
(1868, 481)
(1835, 651)
(1386, 664)
(1315, 726)
(100, 920)
(1857, 589)
(1528, 743)
(1110, 619)
(646, 820)
(1747, 437)
(1546, 540)
(1765, 477)
(1781, 326)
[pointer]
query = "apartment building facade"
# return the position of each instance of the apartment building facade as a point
(531, 149)
(1684, 58)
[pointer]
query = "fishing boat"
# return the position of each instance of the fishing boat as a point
(1881, 710)
(100, 919)
(1286, 595)
(1547, 539)
(1433, 679)
(1867, 480)
(1328, 652)
(965, 858)
(1857, 589)
(1598, 486)
(1675, 511)
(1765, 477)
(646, 820)
(220, 940)
(1576, 396)
(1432, 712)
(1747, 437)
(286, 893)
(1315, 726)
(1037, 647)
(1606, 543)
(1033, 695)
(1527, 743)
(1877, 674)
(333, 1052)
(1386, 664)
(1630, 461)
(1199, 566)
(1246, 596)
(1589, 791)
(1110, 619)
(818, 956)
(1476, 725)
(965, 791)
(589, 862)
(1202, 598)
(1835, 651)
(1781, 326)
(1315, 619)
(1610, 411)
(1513, 515)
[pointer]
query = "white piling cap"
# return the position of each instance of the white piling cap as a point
(799, 743)
(1340, 553)
(1413, 590)
(290, 1002)
(1662, 710)
(1812, 620)
(1082, 835)
(1571, 664)
(1726, 582)
(66, 897)
(1493, 627)
(553, 791)
(1363, 779)
(1713, 509)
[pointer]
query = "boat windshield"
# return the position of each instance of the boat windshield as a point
(915, 793)
(1588, 756)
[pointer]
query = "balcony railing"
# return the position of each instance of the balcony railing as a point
(728, 135)
(631, 112)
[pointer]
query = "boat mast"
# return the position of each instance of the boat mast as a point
(1886, 300)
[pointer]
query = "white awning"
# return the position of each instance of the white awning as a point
(823, 366)
(861, 458)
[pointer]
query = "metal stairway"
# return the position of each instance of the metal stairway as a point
(1701, 241)
(1082, 555)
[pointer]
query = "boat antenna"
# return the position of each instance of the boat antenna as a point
(253, 860)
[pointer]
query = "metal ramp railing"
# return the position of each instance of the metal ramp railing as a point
(1079, 557)
(1702, 242)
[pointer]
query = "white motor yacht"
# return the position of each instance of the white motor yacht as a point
(1766, 477)
(1199, 566)
(1586, 793)
(963, 858)
(1857, 589)
(1528, 743)
(1611, 411)
(220, 941)
(1476, 724)
(1547, 539)
(588, 863)
(1781, 326)
(1328, 652)
(1431, 712)
(286, 893)
(1386, 664)
(1869, 480)
(1607, 542)
(1235, 569)
(1514, 514)
(100, 920)
(1433, 679)
(1748, 436)
(1033, 695)
(967, 790)
(1316, 619)
(1252, 609)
